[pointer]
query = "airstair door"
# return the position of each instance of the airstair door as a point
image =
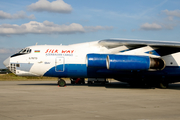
(59, 64)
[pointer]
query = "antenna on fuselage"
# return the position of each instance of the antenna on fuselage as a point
(36, 43)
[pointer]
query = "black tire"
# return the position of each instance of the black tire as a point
(72, 82)
(103, 83)
(139, 84)
(107, 82)
(82, 81)
(61, 83)
(90, 82)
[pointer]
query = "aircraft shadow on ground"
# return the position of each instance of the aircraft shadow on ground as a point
(121, 85)
(114, 85)
(41, 84)
(174, 86)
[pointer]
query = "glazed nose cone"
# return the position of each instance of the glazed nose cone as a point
(6, 62)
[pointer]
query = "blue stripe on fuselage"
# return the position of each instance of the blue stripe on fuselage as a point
(72, 70)
(81, 70)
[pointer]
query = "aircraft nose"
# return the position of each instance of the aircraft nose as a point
(6, 62)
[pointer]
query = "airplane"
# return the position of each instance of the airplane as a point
(137, 62)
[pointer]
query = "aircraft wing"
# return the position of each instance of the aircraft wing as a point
(161, 47)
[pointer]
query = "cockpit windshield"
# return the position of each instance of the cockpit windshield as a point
(25, 50)
(22, 52)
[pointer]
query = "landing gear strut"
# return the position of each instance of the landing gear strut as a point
(61, 82)
(77, 80)
(150, 84)
(163, 85)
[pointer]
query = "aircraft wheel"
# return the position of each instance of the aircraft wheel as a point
(61, 83)
(82, 81)
(72, 82)
(104, 82)
(90, 82)
(139, 84)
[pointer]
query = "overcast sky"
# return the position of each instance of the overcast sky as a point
(27, 22)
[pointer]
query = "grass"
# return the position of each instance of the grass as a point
(13, 77)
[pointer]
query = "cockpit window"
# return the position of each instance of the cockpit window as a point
(25, 50)
(22, 52)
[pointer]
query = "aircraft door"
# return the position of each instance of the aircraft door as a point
(59, 64)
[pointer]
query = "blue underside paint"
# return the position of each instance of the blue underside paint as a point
(81, 70)
(73, 70)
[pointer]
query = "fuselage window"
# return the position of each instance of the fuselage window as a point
(26, 50)
(22, 52)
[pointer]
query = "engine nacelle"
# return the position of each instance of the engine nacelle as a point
(96, 60)
(130, 62)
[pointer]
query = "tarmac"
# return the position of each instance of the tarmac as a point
(44, 100)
